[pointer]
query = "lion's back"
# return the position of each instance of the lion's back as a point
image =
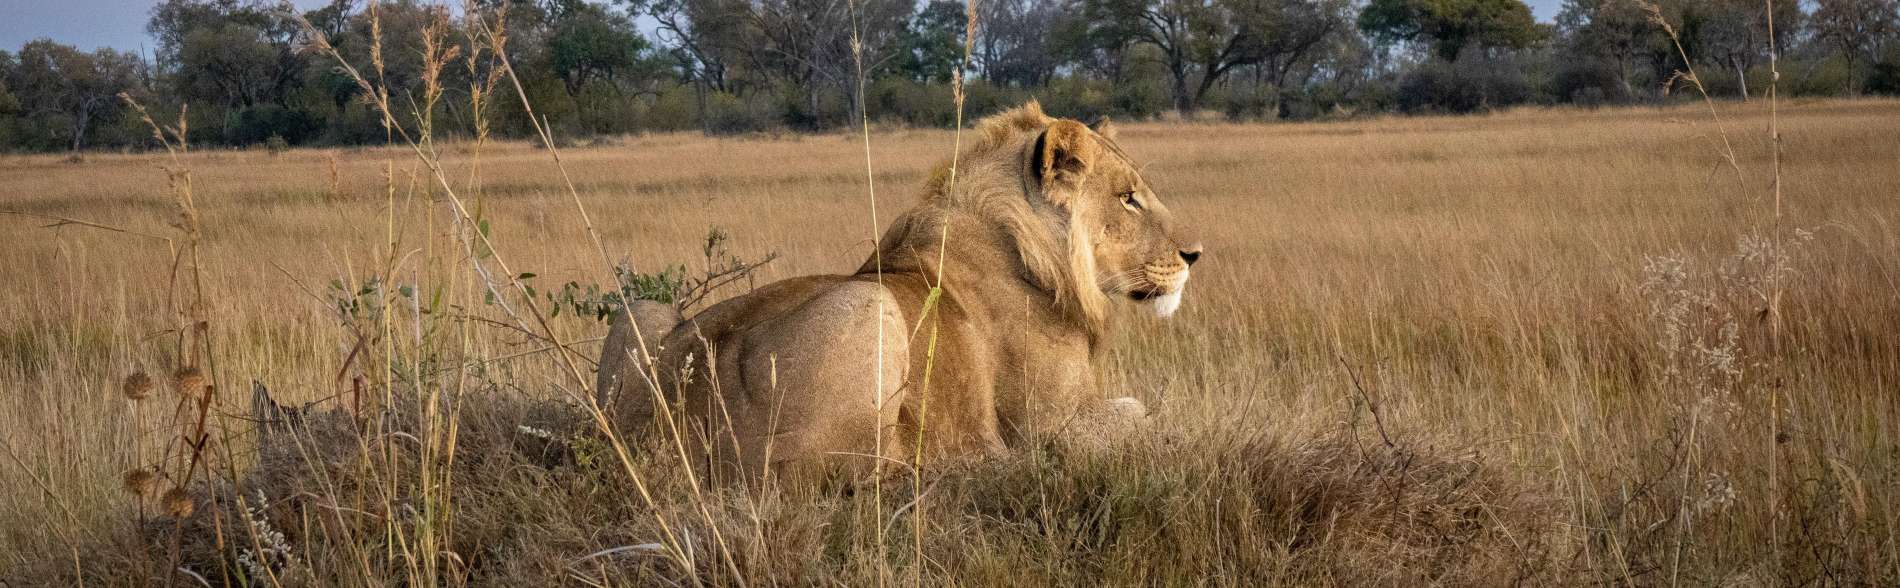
(795, 366)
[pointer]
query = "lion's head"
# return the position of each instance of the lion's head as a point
(1088, 226)
(1136, 248)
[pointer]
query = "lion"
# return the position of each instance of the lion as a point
(1041, 225)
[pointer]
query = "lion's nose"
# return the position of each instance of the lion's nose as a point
(1191, 253)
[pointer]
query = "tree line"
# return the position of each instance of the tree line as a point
(244, 70)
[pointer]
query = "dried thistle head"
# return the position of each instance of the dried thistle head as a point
(141, 482)
(178, 503)
(189, 381)
(138, 386)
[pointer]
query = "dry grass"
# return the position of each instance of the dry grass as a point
(1554, 315)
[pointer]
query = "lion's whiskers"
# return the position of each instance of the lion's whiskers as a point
(1123, 281)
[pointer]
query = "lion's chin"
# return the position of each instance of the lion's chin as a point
(1164, 305)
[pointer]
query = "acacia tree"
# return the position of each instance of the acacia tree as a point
(1093, 46)
(333, 19)
(1013, 45)
(229, 53)
(1187, 33)
(1201, 42)
(1450, 26)
(1292, 35)
(9, 104)
(1858, 29)
(172, 20)
(806, 46)
(1734, 35)
(589, 43)
(66, 92)
(931, 48)
(706, 37)
(1610, 32)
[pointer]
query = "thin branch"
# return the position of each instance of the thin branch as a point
(61, 221)
(1378, 421)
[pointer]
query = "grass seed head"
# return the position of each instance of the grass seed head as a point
(138, 386)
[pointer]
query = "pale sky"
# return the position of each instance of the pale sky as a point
(86, 24)
(120, 24)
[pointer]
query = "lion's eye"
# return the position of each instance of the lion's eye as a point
(1129, 201)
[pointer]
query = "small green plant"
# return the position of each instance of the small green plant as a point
(592, 300)
(670, 285)
(721, 268)
(662, 286)
(362, 301)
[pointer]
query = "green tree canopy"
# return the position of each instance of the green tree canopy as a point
(65, 93)
(1449, 26)
(932, 46)
(590, 43)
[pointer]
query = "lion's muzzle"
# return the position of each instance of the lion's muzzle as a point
(1162, 287)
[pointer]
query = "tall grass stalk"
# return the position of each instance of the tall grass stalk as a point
(1688, 74)
(1774, 301)
(1775, 277)
(878, 398)
(495, 37)
(478, 243)
(919, 519)
(196, 386)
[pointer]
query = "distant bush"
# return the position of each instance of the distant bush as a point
(805, 109)
(1433, 87)
(1470, 85)
(671, 110)
(1885, 79)
(1725, 82)
(1079, 98)
(911, 102)
(728, 114)
(355, 124)
(1256, 103)
(1588, 83)
(982, 98)
(604, 110)
(934, 105)
(1826, 78)
(258, 124)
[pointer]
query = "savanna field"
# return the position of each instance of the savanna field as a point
(1544, 347)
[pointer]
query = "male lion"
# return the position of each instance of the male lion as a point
(1045, 221)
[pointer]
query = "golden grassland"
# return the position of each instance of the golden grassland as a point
(1540, 346)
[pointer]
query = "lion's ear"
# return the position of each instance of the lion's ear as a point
(1064, 154)
(1105, 128)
